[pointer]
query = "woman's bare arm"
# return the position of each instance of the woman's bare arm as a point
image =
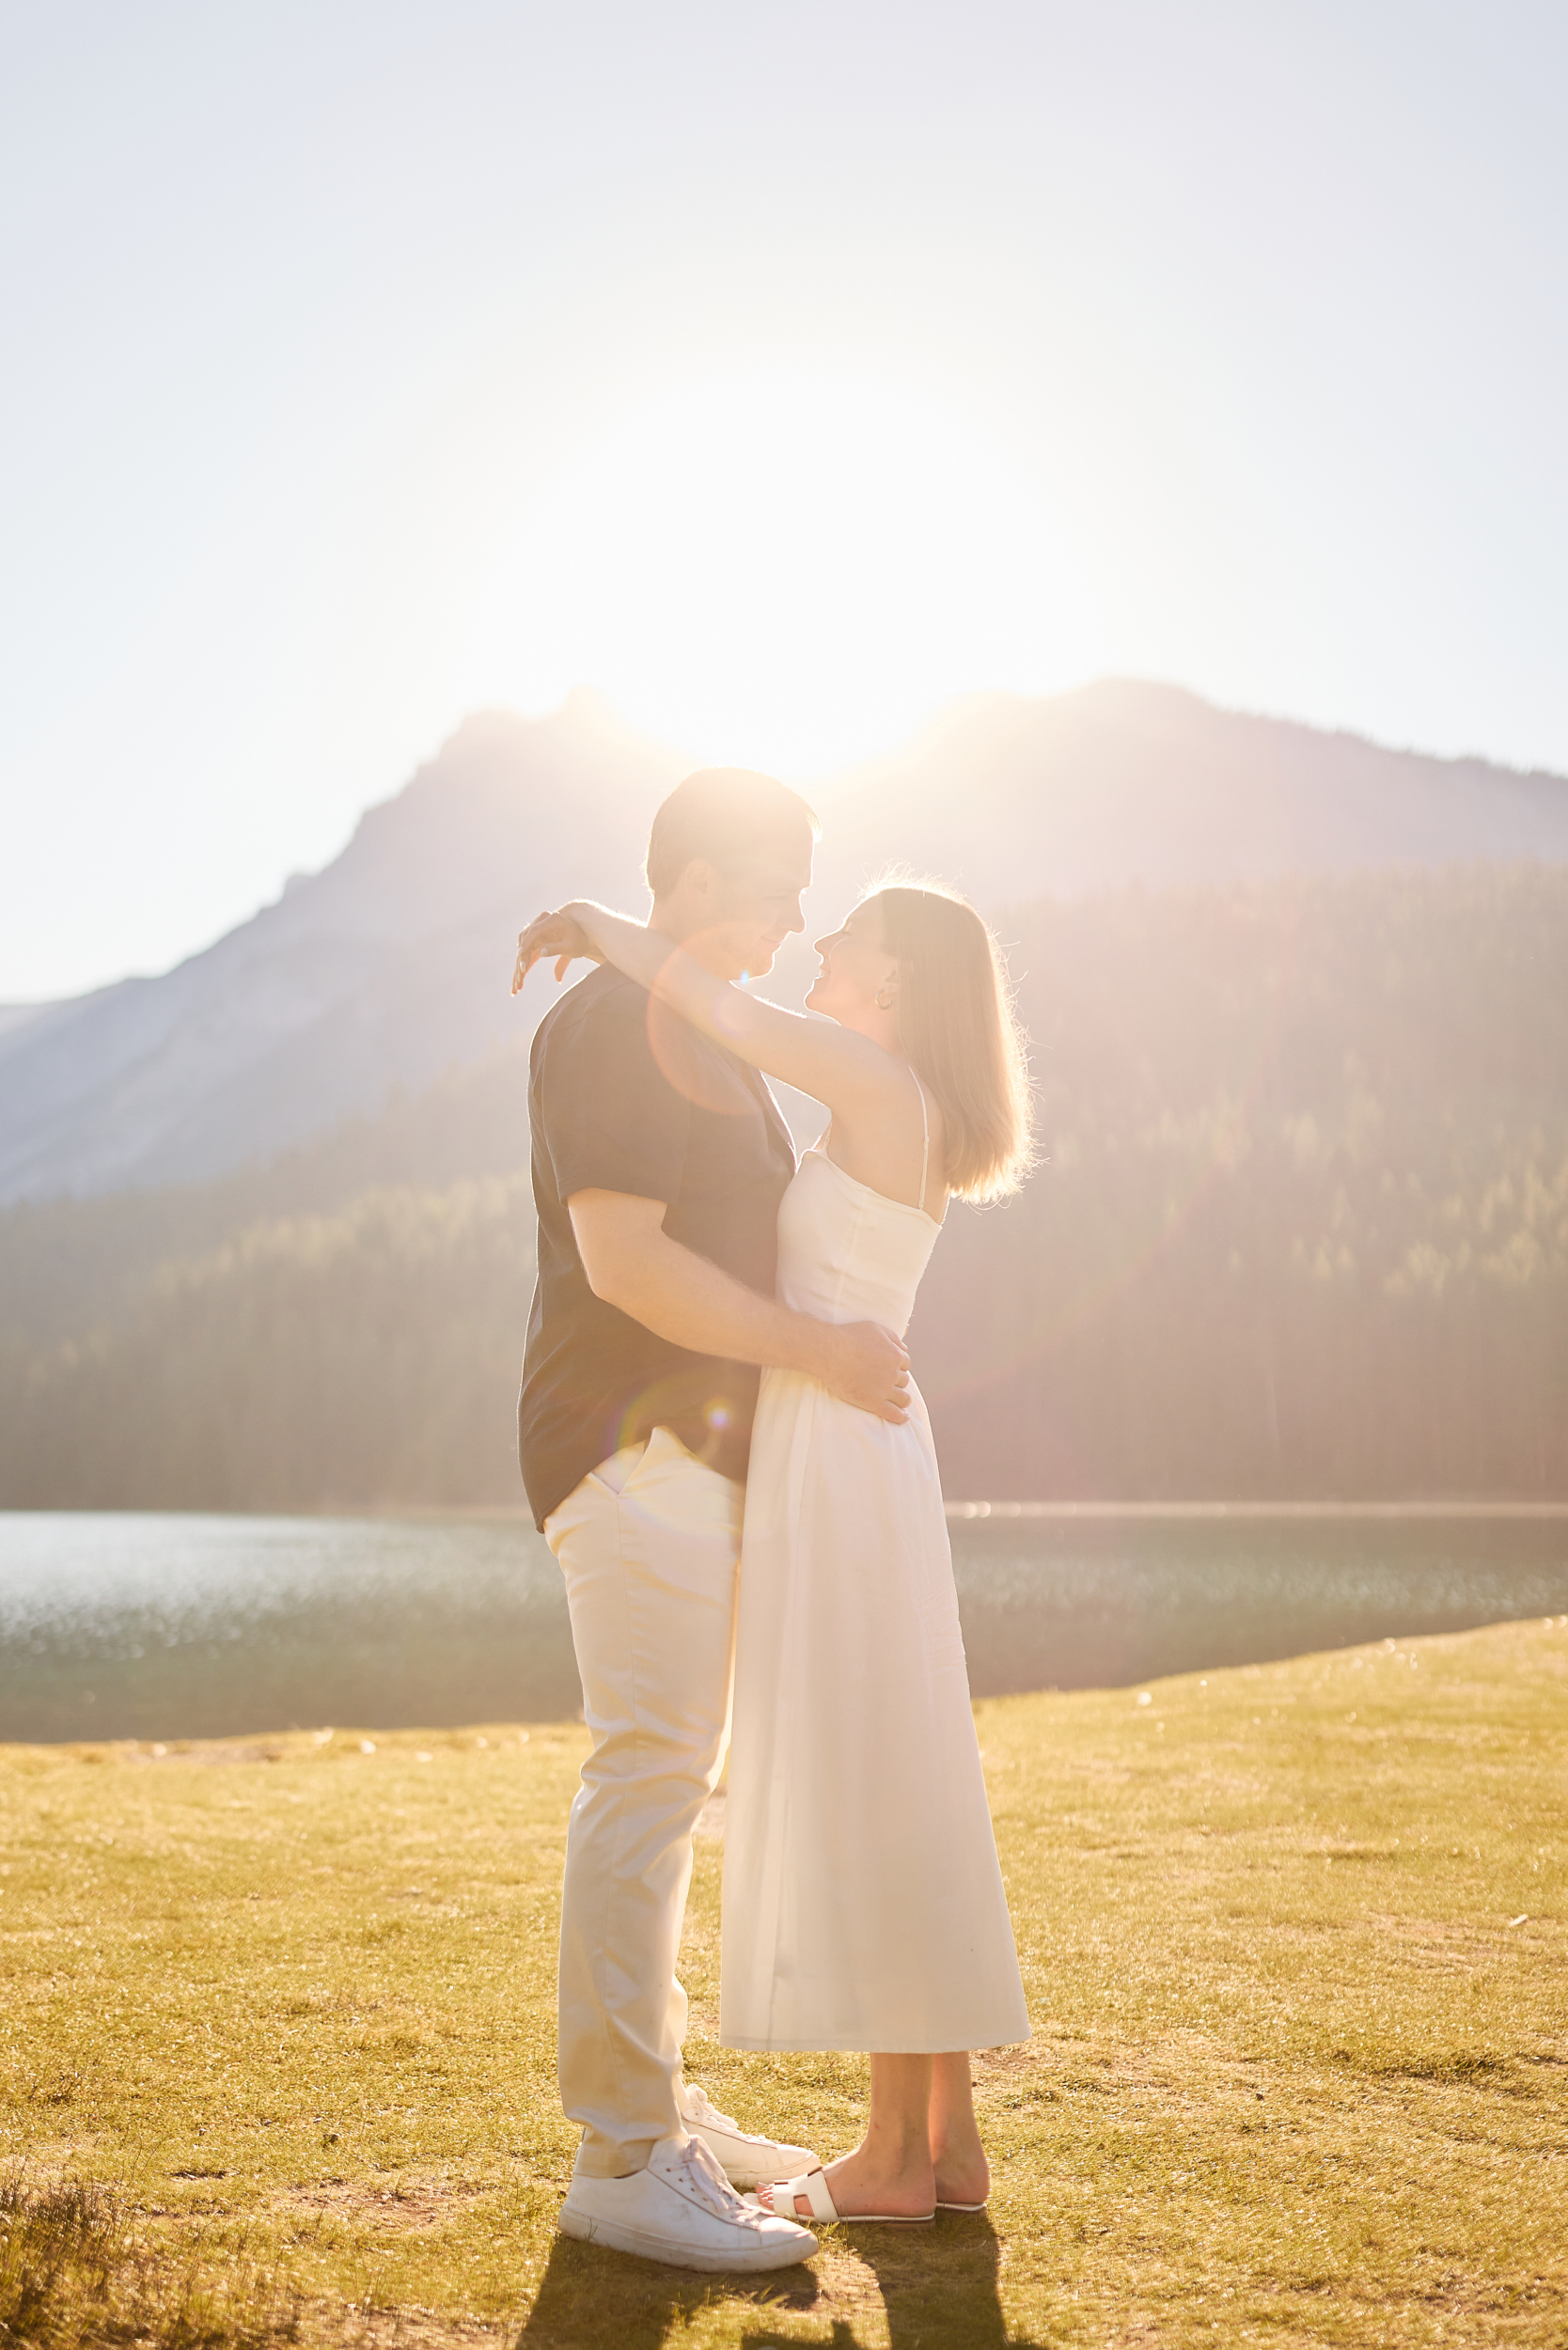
(832, 1064)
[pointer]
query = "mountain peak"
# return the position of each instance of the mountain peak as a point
(390, 967)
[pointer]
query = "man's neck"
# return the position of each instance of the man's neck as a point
(701, 948)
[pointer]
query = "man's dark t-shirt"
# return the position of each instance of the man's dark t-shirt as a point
(625, 1096)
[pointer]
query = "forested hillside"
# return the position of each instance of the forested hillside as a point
(312, 1361)
(1300, 1229)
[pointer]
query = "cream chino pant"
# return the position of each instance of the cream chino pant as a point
(648, 1544)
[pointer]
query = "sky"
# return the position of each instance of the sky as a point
(779, 371)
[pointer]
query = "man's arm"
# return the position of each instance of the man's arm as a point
(632, 1263)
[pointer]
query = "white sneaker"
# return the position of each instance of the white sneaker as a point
(745, 2159)
(681, 2209)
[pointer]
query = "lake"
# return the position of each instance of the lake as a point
(162, 1627)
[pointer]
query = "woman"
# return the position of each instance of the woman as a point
(863, 1905)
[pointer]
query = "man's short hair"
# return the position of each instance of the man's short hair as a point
(728, 815)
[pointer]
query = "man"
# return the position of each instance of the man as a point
(659, 1161)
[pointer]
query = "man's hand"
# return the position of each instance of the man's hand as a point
(866, 1366)
(547, 934)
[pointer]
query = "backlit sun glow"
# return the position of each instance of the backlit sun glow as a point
(786, 569)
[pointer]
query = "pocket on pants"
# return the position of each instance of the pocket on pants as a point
(613, 1476)
(628, 1467)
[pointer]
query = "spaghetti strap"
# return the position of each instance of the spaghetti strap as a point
(925, 1151)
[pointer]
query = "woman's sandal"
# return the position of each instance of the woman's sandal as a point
(961, 2206)
(813, 2185)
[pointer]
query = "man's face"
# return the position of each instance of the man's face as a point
(755, 909)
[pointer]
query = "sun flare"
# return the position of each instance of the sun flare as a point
(785, 567)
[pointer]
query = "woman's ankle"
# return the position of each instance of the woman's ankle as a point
(894, 2154)
(960, 2153)
(955, 2136)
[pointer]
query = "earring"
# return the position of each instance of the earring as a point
(884, 1001)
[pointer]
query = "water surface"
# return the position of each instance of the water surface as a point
(176, 1627)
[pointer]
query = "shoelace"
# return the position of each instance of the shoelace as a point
(706, 2175)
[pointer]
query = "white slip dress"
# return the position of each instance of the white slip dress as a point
(863, 1901)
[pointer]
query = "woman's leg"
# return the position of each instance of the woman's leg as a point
(890, 2170)
(958, 2158)
(922, 2143)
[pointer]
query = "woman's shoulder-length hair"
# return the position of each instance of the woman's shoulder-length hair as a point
(958, 1026)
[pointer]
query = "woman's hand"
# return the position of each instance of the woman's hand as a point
(560, 936)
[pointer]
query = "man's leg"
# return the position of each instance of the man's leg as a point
(648, 1545)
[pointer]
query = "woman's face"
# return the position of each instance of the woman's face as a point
(856, 965)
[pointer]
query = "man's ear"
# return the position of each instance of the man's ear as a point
(700, 878)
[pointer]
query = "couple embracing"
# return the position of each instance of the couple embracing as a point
(723, 1446)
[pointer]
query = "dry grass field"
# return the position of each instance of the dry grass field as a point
(276, 2036)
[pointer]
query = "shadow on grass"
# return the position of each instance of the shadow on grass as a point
(938, 2284)
(589, 2297)
(938, 2290)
